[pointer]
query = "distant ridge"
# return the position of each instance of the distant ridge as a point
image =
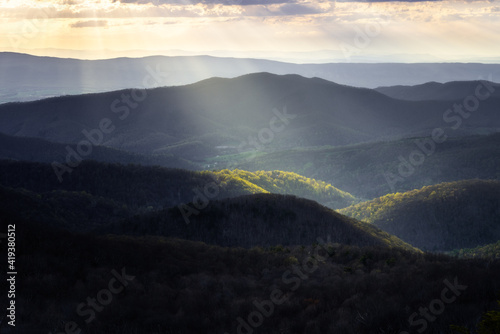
(26, 77)
(449, 91)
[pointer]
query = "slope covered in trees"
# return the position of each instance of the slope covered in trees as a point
(157, 187)
(278, 112)
(257, 220)
(39, 150)
(71, 210)
(357, 169)
(172, 285)
(485, 251)
(441, 217)
(360, 169)
(279, 182)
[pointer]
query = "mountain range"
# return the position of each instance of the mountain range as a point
(27, 77)
(209, 187)
(244, 113)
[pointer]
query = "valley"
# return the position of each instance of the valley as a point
(253, 202)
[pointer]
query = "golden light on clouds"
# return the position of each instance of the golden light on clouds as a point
(440, 28)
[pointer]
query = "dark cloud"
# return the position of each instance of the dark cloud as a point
(91, 23)
(253, 2)
(265, 2)
(293, 6)
(365, 1)
(296, 9)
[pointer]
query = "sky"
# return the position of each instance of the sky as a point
(291, 30)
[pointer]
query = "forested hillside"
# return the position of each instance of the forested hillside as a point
(258, 204)
(491, 251)
(279, 182)
(71, 210)
(277, 111)
(39, 150)
(256, 220)
(441, 217)
(361, 169)
(135, 189)
(190, 287)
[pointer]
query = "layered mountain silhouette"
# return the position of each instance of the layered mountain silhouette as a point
(118, 199)
(256, 111)
(140, 188)
(27, 77)
(448, 91)
(362, 169)
(210, 200)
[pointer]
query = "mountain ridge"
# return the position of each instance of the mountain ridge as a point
(282, 111)
(449, 91)
(258, 220)
(30, 77)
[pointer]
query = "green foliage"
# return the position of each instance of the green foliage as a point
(440, 217)
(489, 324)
(359, 169)
(128, 199)
(280, 182)
(460, 329)
(291, 260)
(139, 187)
(486, 251)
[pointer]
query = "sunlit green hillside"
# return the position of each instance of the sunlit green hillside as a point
(446, 216)
(280, 182)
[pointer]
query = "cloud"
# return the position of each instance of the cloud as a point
(91, 23)
(265, 2)
(377, 1)
(296, 9)
(208, 2)
(354, 11)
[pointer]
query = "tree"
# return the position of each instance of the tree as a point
(489, 324)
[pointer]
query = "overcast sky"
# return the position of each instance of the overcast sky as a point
(305, 30)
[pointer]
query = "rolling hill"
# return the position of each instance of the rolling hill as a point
(201, 207)
(448, 91)
(140, 188)
(257, 220)
(26, 77)
(358, 169)
(93, 200)
(491, 251)
(258, 111)
(443, 217)
(279, 182)
(40, 150)
(70, 210)
(361, 169)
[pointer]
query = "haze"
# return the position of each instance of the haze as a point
(297, 31)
